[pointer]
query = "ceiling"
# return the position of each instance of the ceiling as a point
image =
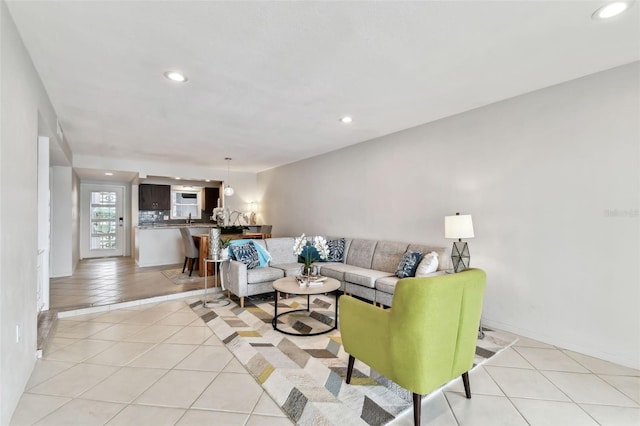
(268, 81)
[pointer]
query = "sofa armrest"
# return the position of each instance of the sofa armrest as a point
(236, 281)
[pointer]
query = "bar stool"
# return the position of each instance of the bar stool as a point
(190, 250)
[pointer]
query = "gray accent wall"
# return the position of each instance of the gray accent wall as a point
(552, 181)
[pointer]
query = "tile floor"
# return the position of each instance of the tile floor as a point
(158, 364)
(109, 280)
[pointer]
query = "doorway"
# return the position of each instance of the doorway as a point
(102, 226)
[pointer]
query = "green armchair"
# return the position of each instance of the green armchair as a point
(425, 340)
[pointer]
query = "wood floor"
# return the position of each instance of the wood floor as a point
(105, 281)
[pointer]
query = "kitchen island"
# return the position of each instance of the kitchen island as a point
(162, 244)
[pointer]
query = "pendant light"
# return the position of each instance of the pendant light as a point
(228, 190)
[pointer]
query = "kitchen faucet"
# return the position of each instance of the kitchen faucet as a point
(189, 219)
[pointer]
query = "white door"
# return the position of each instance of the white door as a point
(44, 224)
(103, 221)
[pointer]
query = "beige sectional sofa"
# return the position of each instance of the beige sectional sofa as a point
(367, 270)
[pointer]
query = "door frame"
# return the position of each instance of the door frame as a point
(85, 192)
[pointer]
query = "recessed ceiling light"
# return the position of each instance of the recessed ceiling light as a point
(108, 174)
(178, 178)
(610, 10)
(346, 119)
(207, 180)
(176, 76)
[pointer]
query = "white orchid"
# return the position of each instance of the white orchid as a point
(321, 245)
(299, 245)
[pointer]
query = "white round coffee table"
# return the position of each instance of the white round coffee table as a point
(289, 285)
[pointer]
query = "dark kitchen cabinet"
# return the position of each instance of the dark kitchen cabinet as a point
(211, 196)
(154, 197)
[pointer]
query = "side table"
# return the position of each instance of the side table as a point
(215, 279)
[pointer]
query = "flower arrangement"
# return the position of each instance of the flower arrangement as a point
(320, 245)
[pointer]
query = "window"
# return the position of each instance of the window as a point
(103, 220)
(185, 202)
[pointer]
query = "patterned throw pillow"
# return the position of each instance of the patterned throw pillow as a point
(247, 254)
(428, 265)
(336, 250)
(408, 264)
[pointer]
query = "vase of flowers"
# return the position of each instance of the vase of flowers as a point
(319, 243)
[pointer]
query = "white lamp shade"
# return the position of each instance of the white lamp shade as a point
(228, 191)
(458, 226)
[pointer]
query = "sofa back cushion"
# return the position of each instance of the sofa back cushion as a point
(444, 254)
(387, 255)
(361, 253)
(281, 250)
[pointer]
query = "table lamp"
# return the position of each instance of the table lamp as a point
(459, 226)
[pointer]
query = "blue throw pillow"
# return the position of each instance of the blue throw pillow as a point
(247, 254)
(336, 250)
(408, 264)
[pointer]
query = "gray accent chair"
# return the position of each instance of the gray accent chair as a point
(190, 250)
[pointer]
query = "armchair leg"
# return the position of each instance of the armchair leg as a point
(242, 302)
(417, 404)
(185, 264)
(193, 263)
(350, 368)
(467, 387)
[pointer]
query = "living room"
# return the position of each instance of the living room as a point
(549, 174)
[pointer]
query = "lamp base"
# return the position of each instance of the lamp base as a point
(460, 256)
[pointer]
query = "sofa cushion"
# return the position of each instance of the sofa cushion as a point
(388, 255)
(247, 254)
(260, 275)
(408, 264)
(444, 254)
(335, 269)
(361, 253)
(428, 264)
(289, 269)
(336, 250)
(364, 277)
(387, 284)
(281, 250)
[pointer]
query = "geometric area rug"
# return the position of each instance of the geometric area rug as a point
(305, 375)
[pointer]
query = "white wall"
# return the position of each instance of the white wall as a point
(23, 101)
(62, 243)
(75, 220)
(552, 181)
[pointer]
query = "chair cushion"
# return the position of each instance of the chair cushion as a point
(408, 264)
(361, 253)
(364, 277)
(260, 275)
(388, 255)
(247, 254)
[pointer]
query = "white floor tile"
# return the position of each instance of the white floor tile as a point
(258, 420)
(530, 343)
(79, 351)
(483, 410)
(32, 408)
(613, 416)
(600, 366)
(139, 415)
(435, 411)
(231, 392)
(46, 369)
(178, 388)
(163, 355)
(206, 358)
(479, 381)
(552, 413)
(125, 385)
(74, 381)
(203, 417)
(522, 383)
(191, 335)
(121, 353)
(628, 385)
(508, 358)
(589, 389)
(154, 333)
(119, 331)
(82, 412)
(550, 359)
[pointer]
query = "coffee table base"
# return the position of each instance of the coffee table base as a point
(277, 315)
